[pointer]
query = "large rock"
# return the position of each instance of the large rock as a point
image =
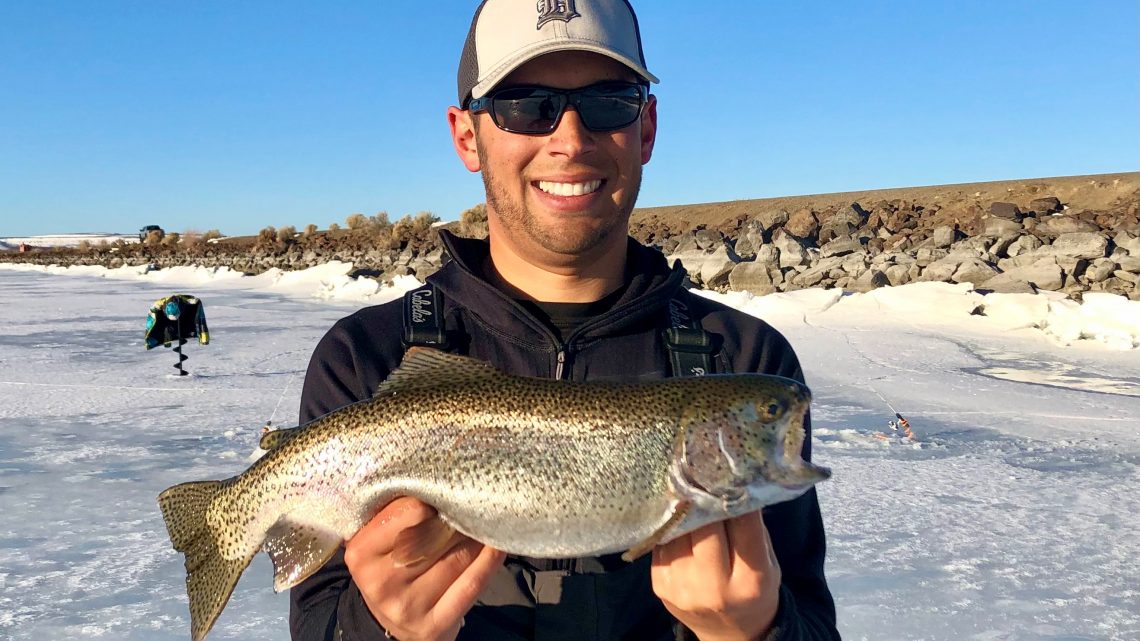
(1044, 274)
(803, 224)
(868, 280)
(1099, 270)
(1129, 263)
(836, 228)
(841, 247)
(1081, 245)
(768, 255)
(1001, 227)
(945, 236)
(716, 268)
(924, 256)
(977, 245)
(792, 252)
(1045, 205)
(750, 241)
(1022, 245)
(751, 277)
(816, 273)
(974, 270)
(1128, 242)
(843, 224)
(939, 271)
(1127, 276)
(772, 218)
(898, 274)
(708, 239)
(853, 214)
(1005, 210)
(1054, 226)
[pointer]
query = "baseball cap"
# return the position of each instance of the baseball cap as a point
(505, 34)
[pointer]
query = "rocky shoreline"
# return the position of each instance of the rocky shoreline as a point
(1071, 235)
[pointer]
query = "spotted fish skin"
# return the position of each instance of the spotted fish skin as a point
(530, 466)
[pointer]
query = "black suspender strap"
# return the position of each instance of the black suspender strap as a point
(423, 318)
(690, 347)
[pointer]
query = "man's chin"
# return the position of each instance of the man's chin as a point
(575, 241)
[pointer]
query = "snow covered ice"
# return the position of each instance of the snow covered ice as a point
(1013, 515)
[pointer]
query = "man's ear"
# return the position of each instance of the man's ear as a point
(463, 137)
(648, 128)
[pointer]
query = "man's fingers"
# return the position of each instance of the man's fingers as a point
(402, 512)
(665, 554)
(462, 592)
(749, 540)
(375, 540)
(711, 551)
(754, 561)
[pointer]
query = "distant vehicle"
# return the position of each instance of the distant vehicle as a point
(145, 231)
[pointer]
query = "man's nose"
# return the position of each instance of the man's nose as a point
(571, 138)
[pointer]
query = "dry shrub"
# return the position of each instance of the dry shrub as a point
(83, 246)
(211, 235)
(267, 236)
(473, 222)
(310, 231)
(424, 220)
(286, 234)
(409, 226)
(356, 221)
(172, 239)
(402, 230)
(154, 237)
(334, 227)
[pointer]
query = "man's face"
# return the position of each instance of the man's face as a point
(530, 179)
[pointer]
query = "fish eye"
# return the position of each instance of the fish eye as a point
(775, 408)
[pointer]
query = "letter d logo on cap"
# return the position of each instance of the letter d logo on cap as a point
(555, 10)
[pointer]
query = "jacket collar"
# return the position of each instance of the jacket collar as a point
(650, 284)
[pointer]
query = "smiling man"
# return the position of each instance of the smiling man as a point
(555, 113)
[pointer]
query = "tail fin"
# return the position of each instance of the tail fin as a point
(210, 578)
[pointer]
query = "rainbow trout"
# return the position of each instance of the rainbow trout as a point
(534, 467)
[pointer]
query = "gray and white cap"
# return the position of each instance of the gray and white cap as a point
(505, 34)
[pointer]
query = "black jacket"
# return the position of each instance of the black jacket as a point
(572, 599)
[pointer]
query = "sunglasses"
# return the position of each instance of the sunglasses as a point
(533, 110)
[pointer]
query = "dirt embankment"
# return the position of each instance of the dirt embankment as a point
(966, 204)
(1071, 234)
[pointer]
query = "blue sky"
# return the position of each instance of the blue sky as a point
(234, 116)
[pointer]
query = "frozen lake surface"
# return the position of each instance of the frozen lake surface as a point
(1013, 516)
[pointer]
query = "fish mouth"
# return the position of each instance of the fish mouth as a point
(801, 477)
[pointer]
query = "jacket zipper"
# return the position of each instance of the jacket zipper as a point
(561, 363)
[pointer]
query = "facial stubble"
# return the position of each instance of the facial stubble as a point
(516, 219)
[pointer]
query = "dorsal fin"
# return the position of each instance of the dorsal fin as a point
(425, 368)
(274, 439)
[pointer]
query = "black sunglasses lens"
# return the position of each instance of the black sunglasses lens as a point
(536, 110)
(606, 110)
(526, 110)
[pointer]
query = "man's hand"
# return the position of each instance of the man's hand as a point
(425, 601)
(721, 581)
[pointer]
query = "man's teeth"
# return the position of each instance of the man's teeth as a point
(569, 189)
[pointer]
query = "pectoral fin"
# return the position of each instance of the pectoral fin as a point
(423, 543)
(679, 512)
(297, 550)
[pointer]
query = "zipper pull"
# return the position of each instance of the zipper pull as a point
(561, 365)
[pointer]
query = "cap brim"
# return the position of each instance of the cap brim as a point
(526, 55)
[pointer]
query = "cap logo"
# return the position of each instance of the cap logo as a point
(556, 10)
